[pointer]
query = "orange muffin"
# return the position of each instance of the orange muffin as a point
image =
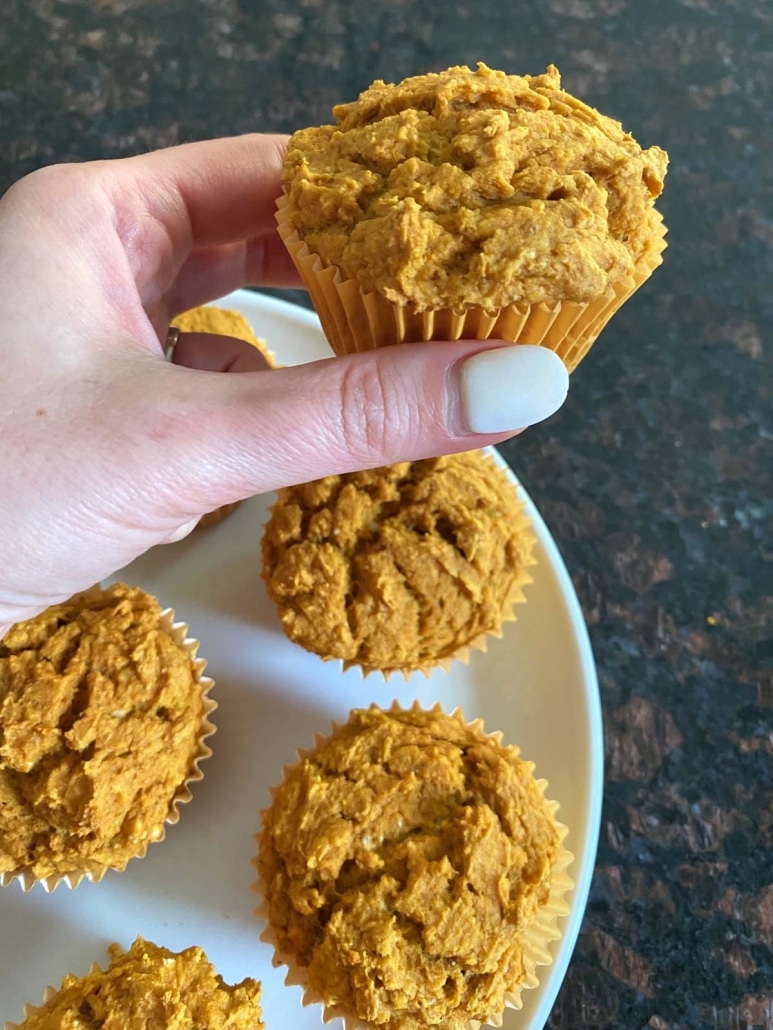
(148, 988)
(470, 203)
(399, 568)
(412, 872)
(103, 715)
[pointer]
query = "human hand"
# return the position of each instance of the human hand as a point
(106, 449)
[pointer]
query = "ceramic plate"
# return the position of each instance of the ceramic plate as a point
(537, 684)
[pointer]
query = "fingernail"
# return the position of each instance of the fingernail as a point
(181, 532)
(511, 388)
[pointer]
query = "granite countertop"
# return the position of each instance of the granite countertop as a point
(655, 478)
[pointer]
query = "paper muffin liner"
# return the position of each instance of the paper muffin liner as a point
(29, 1008)
(536, 935)
(353, 320)
(51, 992)
(182, 795)
(48, 994)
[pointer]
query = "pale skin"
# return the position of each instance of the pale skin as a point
(105, 448)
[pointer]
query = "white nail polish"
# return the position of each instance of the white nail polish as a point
(511, 388)
(181, 532)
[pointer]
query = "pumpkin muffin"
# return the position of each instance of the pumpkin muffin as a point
(221, 322)
(149, 988)
(470, 203)
(412, 872)
(399, 568)
(103, 714)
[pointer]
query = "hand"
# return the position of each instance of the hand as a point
(106, 449)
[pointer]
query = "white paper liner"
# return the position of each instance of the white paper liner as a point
(29, 1008)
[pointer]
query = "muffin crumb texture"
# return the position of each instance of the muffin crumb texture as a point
(150, 988)
(399, 567)
(100, 715)
(402, 860)
(473, 187)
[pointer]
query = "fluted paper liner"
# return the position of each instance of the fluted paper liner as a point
(48, 994)
(480, 642)
(353, 320)
(29, 1008)
(536, 936)
(51, 992)
(179, 633)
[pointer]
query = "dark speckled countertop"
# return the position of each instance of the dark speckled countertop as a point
(655, 478)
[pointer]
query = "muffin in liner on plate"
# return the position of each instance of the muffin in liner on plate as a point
(104, 715)
(148, 987)
(412, 872)
(470, 204)
(401, 568)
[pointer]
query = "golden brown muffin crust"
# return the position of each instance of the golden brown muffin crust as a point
(402, 859)
(398, 567)
(474, 188)
(150, 988)
(100, 715)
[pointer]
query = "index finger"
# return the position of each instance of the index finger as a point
(214, 192)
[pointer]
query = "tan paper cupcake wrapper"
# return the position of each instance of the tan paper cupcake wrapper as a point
(353, 320)
(96, 871)
(48, 994)
(536, 936)
(29, 1008)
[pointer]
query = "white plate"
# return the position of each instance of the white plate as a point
(537, 684)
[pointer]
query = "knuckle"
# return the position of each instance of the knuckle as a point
(44, 181)
(365, 413)
(48, 192)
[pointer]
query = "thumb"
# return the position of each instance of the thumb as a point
(232, 436)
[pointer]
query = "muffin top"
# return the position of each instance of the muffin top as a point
(150, 988)
(100, 715)
(469, 188)
(401, 860)
(397, 567)
(222, 322)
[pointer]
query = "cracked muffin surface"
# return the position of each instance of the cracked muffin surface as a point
(473, 187)
(402, 861)
(100, 716)
(398, 567)
(150, 988)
